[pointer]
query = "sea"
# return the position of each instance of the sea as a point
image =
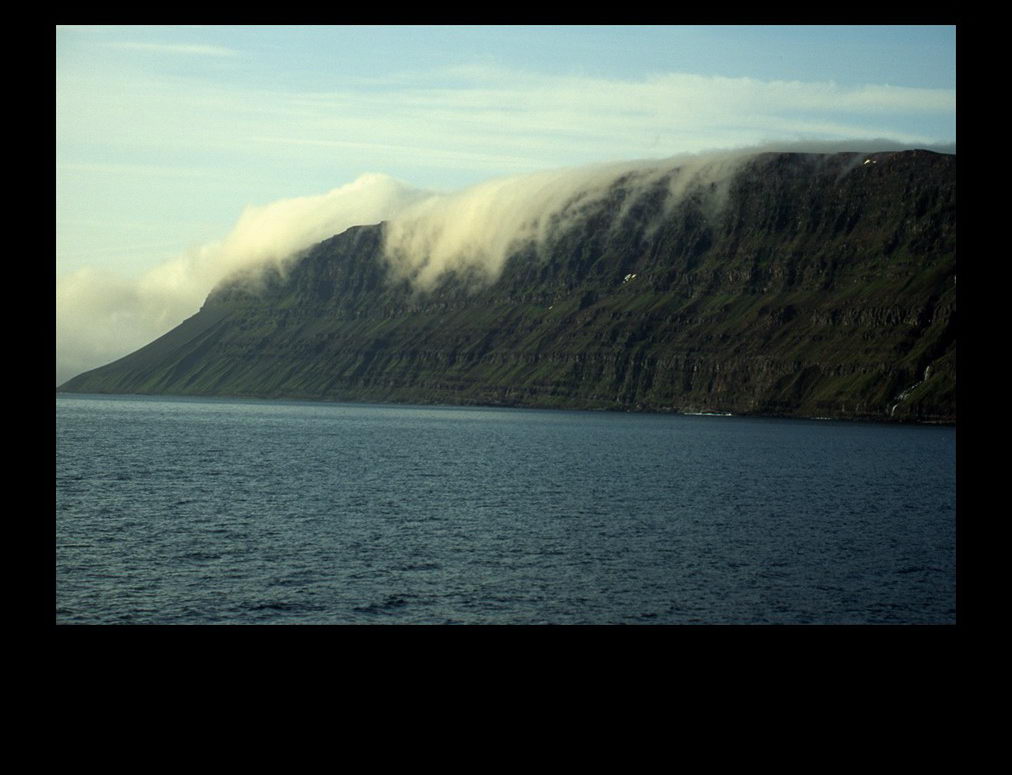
(187, 511)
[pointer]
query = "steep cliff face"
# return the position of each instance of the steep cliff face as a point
(804, 285)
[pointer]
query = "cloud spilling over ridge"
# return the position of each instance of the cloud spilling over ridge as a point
(101, 316)
(274, 233)
(479, 227)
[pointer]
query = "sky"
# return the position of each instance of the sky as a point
(182, 152)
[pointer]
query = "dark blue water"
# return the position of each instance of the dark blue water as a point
(175, 511)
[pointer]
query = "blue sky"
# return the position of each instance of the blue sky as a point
(166, 135)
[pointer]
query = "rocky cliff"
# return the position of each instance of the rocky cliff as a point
(803, 285)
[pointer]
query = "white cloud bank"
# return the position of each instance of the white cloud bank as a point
(101, 317)
(478, 227)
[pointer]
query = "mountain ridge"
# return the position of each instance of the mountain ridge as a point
(802, 285)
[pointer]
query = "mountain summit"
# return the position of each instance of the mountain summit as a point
(804, 285)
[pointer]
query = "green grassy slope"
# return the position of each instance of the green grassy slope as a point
(822, 287)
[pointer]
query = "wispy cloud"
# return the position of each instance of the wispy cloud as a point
(175, 48)
(586, 118)
(451, 157)
(498, 119)
(141, 170)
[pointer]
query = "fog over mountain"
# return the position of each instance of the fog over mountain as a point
(102, 316)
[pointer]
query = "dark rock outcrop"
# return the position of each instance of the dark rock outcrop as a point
(823, 286)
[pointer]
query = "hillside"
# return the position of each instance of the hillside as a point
(809, 285)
